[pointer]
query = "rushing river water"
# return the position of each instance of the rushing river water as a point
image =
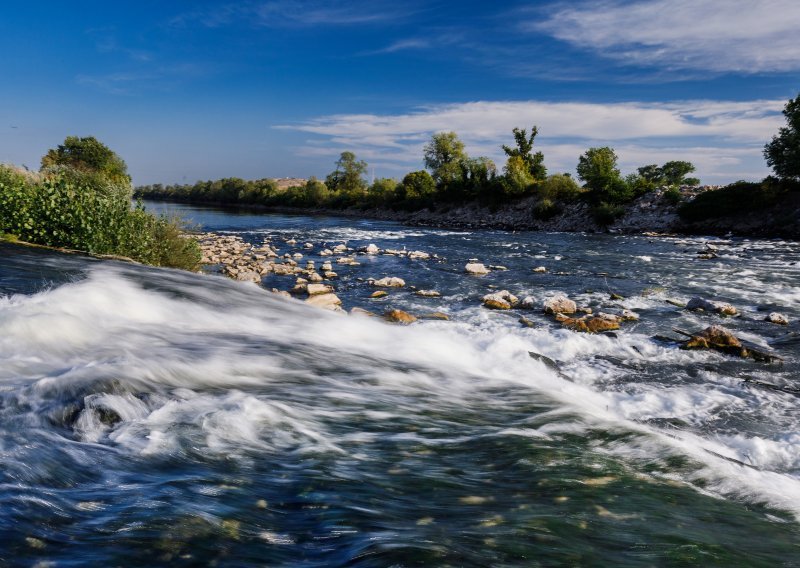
(152, 417)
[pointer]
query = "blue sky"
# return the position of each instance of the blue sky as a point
(191, 90)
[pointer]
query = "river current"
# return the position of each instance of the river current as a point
(159, 417)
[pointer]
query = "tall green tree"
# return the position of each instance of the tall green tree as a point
(418, 186)
(675, 172)
(91, 156)
(524, 150)
(348, 177)
(597, 167)
(443, 156)
(783, 152)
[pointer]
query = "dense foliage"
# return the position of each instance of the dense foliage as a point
(452, 176)
(82, 209)
(738, 198)
(91, 158)
(783, 152)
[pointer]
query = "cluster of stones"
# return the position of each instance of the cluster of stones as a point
(247, 263)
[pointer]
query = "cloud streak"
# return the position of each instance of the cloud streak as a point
(742, 36)
(723, 138)
(294, 14)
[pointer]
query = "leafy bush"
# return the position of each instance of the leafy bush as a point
(737, 198)
(545, 209)
(672, 195)
(606, 213)
(55, 211)
(559, 187)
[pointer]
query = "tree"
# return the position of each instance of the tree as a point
(348, 177)
(783, 152)
(418, 185)
(89, 155)
(524, 150)
(652, 173)
(674, 173)
(518, 178)
(443, 156)
(598, 169)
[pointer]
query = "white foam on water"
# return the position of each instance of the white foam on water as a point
(210, 365)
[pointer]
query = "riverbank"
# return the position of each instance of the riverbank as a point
(654, 212)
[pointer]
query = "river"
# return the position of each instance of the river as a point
(152, 416)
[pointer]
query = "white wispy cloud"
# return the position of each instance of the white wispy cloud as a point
(723, 138)
(744, 36)
(295, 13)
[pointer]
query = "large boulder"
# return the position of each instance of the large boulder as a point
(399, 316)
(559, 305)
(389, 282)
(590, 324)
(502, 300)
(325, 301)
(722, 308)
(715, 337)
(777, 318)
(316, 288)
(476, 269)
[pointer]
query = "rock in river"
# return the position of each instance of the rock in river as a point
(559, 305)
(722, 308)
(502, 300)
(476, 268)
(775, 317)
(325, 301)
(389, 282)
(399, 316)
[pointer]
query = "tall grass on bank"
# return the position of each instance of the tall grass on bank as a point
(66, 209)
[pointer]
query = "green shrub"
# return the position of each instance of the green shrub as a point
(559, 187)
(53, 210)
(606, 213)
(545, 209)
(672, 195)
(737, 198)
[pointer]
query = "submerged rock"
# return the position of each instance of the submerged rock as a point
(379, 294)
(559, 305)
(435, 316)
(722, 308)
(361, 312)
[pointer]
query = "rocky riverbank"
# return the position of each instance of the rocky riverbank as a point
(655, 212)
